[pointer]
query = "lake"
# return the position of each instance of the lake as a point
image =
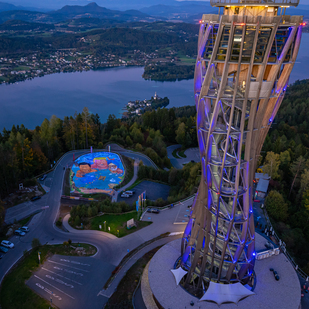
(103, 91)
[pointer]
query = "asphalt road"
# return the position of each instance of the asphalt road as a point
(192, 154)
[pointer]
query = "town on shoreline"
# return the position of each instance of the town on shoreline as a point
(138, 107)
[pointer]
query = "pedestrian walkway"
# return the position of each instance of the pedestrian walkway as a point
(70, 229)
(113, 286)
(130, 183)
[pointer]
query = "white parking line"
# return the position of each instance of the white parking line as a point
(54, 287)
(48, 291)
(73, 262)
(87, 271)
(61, 275)
(69, 271)
(59, 281)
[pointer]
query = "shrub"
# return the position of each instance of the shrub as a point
(35, 243)
(77, 221)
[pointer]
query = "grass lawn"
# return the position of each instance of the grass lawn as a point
(25, 221)
(14, 293)
(182, 153)
(117, 223)
(122, 297)
(175, 153)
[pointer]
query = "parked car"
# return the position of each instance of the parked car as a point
(7, 244)
(3, 249)
(34, 198)
(43, 177)
(124, 195)
(130, 193)
(25, 229)
(19, 233)
(153, 210)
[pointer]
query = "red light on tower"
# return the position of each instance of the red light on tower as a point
(303, 24)
(242, 24)
(200, 21)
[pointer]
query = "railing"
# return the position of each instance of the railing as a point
(254, 2)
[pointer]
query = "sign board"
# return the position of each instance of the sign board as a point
(21, 186)
(130, 223)
(137, 206)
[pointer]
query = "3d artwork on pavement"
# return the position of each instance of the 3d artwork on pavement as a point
(96, 172)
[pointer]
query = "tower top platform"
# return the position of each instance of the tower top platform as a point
(266, 3)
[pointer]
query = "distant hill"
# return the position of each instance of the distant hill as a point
(188, 11)
(111, 4)
(11, 7)
(20, 25)
(91, 10)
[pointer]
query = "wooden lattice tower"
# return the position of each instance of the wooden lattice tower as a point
(245, 57)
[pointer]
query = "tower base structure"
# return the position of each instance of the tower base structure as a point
(159, 288)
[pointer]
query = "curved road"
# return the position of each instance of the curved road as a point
(110, 248)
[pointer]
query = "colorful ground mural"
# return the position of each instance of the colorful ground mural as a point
(97, 172)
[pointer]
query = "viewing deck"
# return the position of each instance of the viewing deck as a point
(284, 3)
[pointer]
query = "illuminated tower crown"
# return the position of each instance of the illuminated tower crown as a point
(245, 57)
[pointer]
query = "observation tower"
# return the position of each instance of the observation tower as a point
(245, 56)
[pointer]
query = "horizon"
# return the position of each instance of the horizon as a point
(116, 4)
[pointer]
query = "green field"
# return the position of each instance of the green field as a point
(117, 223)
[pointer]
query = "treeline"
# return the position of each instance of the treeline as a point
(168, 71)
(285, 158)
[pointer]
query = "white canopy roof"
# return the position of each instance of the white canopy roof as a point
(178, 274)
(221, 293)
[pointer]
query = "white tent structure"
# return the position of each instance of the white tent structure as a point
(178, 274)
(222, 293)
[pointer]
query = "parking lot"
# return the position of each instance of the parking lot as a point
(153, 190)
(183, 214)
(72, 282)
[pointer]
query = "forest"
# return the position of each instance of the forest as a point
(119, 40)
(168, 71)
(285, 157)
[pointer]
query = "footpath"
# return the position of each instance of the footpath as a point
(130, 183)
